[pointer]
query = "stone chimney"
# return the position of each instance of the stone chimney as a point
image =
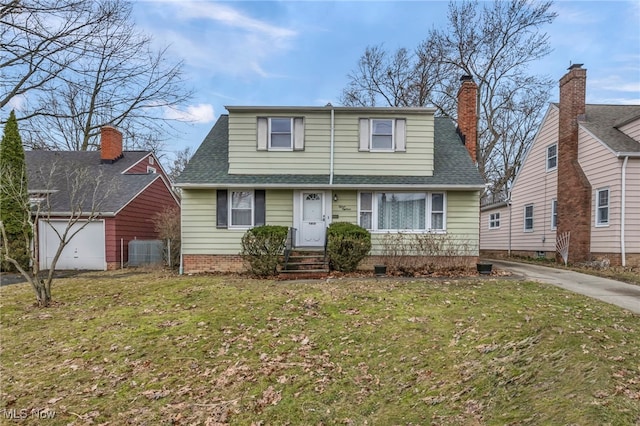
(110, 144)
(574, 189)
(467, 115)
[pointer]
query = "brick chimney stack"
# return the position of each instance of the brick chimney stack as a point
(110, 144)
(574, 189)
(467, 115)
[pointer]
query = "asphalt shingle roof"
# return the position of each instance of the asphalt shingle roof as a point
(603, 120)
(452, 163)
(48, 171)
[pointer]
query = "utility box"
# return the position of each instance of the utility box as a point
(145, 252)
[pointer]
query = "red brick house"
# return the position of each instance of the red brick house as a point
(135, 188)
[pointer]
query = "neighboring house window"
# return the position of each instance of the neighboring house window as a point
(602, 207)
(240, 209)
(151, 161)
(554, 214)
(280, 133)
(528, 218)
(494, 220)
(151, 169)
(402, 211)
(552, 157)
(382, 134)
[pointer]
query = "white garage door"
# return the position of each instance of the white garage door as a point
(84, 251)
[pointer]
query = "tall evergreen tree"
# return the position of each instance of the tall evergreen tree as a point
(14, 198)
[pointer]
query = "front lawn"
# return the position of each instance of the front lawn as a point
(148, 348)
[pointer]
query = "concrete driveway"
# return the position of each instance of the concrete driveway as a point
(626, 296)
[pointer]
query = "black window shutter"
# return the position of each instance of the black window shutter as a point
(221, 208)
(260, 211)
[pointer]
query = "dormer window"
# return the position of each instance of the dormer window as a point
(382, 134)
(151, 169)
(280, 134)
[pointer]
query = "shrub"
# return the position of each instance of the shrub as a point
(347, 245)
(167, 225)
(262, 247)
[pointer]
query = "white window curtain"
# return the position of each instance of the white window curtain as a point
(402, 211)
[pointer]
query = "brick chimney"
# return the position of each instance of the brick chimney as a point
(467, 115)
(110, 144)
(574, 189)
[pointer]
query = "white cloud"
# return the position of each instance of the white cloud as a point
(219, 39)
(17, 102)
(201, 113)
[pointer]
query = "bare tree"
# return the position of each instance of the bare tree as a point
(495, 44)
(81, 190)
(180, 161)
(104, 71)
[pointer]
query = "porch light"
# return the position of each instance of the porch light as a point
(335, 197)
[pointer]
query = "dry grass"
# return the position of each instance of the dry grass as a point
(121, 348)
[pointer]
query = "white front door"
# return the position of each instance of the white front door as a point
(312, 224)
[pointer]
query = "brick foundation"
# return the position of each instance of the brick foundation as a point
(466, 261)
(197, 263)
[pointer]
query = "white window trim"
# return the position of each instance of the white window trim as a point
(598, 207)
(230, 224)
(291, 136)
(151, 160)
(550, 169)
(428, 212)
(393, 135)
(554, 201)
(524, 225)
(151, 169)
(492, 222)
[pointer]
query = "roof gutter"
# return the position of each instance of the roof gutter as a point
(399, 186)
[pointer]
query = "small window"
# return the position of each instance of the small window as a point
(552, 157)
(528, 218)
(280, 133)
(151, 169)
(241, 209)
(151, 160)
(602, 207)
(366, 210)
(437, 211)
(554, 214)
(494, 220)
(382, 135)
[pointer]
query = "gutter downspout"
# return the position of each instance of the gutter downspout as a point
(509, 206)
(332, 145)
(623, 206)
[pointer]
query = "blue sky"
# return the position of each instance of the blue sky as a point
(301, 52)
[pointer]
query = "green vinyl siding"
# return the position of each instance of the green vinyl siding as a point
(417, 160)
(346, 208)
(199, 232)
(244, 158)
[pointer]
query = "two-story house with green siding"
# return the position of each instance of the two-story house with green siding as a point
(390, 170)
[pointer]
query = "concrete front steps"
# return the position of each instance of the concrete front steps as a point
(305, 263)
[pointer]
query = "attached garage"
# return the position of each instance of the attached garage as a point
(86, 250)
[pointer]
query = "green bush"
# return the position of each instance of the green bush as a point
(262, 247)
(347, 245)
